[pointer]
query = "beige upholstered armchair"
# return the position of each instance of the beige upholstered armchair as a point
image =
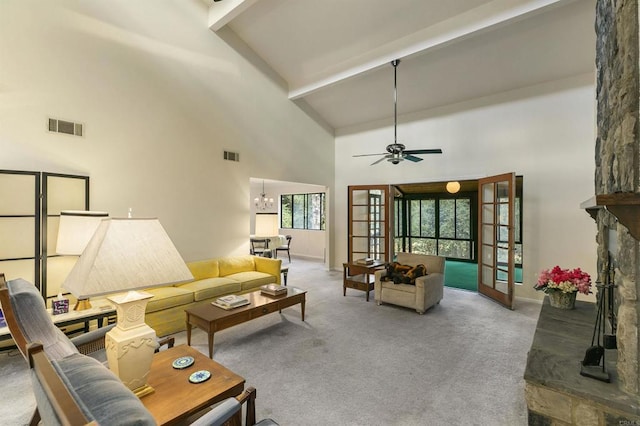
(426, 292)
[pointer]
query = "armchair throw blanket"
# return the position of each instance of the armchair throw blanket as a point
(404, 274)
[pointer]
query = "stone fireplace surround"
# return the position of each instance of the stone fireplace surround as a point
(555, 392)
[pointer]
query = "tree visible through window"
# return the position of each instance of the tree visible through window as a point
(302, 211)
(444, 225)
(439, 226)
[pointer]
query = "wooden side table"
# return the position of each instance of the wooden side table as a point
(359, 277)
(175, 398)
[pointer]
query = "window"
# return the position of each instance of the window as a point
(302, 211)
(436, 225)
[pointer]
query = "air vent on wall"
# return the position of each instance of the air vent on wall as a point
(232, 156)
(67, 127)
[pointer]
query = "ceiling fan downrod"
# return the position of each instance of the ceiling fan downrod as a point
(396, 152)
(395, 63)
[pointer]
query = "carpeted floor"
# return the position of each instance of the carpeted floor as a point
(356, 363)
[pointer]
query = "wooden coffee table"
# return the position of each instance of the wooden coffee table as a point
(175, 398)
(211, 318)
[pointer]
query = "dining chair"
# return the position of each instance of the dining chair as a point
(259, 246)
(285, 247)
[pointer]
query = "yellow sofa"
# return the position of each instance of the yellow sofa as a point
(212, 278)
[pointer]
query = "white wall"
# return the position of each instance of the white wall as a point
(304, 243)
(544, 133)
(161, 97)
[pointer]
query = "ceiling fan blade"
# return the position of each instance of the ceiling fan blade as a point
(423, 151)
(411, 157)
(368, 155)
(381, 159)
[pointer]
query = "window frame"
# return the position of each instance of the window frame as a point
(306, 211)
(404, 224)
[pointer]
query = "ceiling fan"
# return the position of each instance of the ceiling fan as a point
(396, 152)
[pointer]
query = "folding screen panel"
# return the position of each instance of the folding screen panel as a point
(60, 192)
(29, 216)
(20, 225)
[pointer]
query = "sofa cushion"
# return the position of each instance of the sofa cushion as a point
(32, 317)
(211, 287)
(100, 394)
(235, 264)
(253, 279)
(204, 269)
(168, 297)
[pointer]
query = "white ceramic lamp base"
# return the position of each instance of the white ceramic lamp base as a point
(131, 343)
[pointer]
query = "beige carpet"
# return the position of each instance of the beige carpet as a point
(356, 363)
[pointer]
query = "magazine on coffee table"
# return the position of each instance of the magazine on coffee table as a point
(230, 302)
(273, 289)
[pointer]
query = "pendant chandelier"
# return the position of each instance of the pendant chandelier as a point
(262, 202)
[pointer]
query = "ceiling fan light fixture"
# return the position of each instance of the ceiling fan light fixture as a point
(453, 187)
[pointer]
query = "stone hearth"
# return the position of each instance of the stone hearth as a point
(556, 393)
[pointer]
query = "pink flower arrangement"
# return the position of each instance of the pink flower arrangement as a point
(564, 280)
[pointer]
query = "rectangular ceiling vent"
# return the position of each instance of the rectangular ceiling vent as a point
(232, 156)
(67, 127)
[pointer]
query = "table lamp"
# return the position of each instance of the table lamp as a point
(75, 229)
(266, 224)
(125, 255)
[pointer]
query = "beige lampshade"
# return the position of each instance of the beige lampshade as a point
(126, 254)
(266, 224)
(75, 229)
(453, 187)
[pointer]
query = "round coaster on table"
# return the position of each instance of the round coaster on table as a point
(183, 362)
(199, 376)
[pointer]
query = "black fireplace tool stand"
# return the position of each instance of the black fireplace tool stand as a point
(593, 364)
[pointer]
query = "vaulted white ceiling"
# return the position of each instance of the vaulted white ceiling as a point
(335, 54)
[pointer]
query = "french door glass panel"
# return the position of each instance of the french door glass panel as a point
(368, 222)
